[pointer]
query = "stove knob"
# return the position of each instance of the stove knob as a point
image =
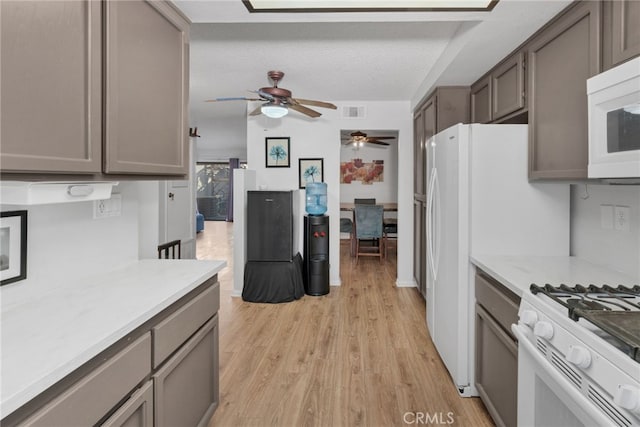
(579, 356)
(543, 330)
(529, 317)
(628, 397)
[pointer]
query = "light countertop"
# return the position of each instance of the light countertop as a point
(518, 272)
(47, 335)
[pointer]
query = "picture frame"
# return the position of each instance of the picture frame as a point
(310, 170)
(13, 246)
(277, 152)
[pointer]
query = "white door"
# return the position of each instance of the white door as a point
(177, 213)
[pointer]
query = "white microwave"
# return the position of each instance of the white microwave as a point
(614, 122)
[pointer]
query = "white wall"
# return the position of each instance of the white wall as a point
(65, 242)
(320, 137)
(617, 249)
(221, 139)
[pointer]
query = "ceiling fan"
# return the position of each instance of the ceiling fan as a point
(358, 139)
(278, 101)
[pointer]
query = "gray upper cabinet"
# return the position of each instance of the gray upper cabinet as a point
(561, 58)
(621, 31)
(50, 81)
(507, 87)
(481, 101)
(501, 92)
(56, 60)
(146, 89)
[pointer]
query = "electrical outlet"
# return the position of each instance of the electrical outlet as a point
(622, 217)
(107, 208)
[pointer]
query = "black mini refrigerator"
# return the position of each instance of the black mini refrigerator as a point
(316, 254)
(269, 226)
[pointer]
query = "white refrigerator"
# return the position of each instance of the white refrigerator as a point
(479, 201)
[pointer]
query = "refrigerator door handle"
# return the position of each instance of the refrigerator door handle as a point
(436, 224)
(431, 223)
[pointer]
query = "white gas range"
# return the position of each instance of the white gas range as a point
(579, 356)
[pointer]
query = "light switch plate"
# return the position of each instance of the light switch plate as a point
(606, 217)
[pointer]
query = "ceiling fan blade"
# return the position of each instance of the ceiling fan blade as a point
(304, 110)
(233, 99)
(373, 141)
(381, 137)
(314, 103)
(256, 111)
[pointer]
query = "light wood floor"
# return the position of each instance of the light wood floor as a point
(359, 356)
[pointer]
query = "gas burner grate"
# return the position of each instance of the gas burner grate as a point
(615, 310)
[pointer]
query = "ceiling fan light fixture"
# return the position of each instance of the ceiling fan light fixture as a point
(274, 111)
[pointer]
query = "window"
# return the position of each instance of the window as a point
(212, 190)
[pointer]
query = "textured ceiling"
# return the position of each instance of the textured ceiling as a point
(345, 56)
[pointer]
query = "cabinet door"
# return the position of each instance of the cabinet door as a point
(452, 107)
(561, 59)
(146, 89)
(481, 101)
(50, 81)
(626, 30)
(135, 412)
(186, 389)
(418, 153)
(507, 87)
(496, 369)
(430, 120)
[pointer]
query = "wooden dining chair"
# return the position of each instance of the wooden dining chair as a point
(169, 248)
(390, 230)
(369, 235)
(352, 235)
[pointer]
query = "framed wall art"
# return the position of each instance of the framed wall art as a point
(310, 170)
(277, 152)
(13, 246)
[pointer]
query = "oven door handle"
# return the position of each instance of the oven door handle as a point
(595, 416)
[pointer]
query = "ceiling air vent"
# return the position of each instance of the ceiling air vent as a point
(353, 111)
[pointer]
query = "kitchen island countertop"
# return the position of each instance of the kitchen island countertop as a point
(47, 335)
(517, 273)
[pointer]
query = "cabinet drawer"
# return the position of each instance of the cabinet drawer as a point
(135, 412)
(497, 300)
(88, 400)
(169, 334)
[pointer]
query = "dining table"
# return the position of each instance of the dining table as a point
(387, 207)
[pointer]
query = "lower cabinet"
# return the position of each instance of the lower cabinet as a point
(164, 373)
(135, 412)
(193, 368)
(496, 350)
(90, 398)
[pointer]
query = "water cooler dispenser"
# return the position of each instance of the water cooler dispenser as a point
(316, 240)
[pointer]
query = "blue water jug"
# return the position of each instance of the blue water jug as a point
(316, 195)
